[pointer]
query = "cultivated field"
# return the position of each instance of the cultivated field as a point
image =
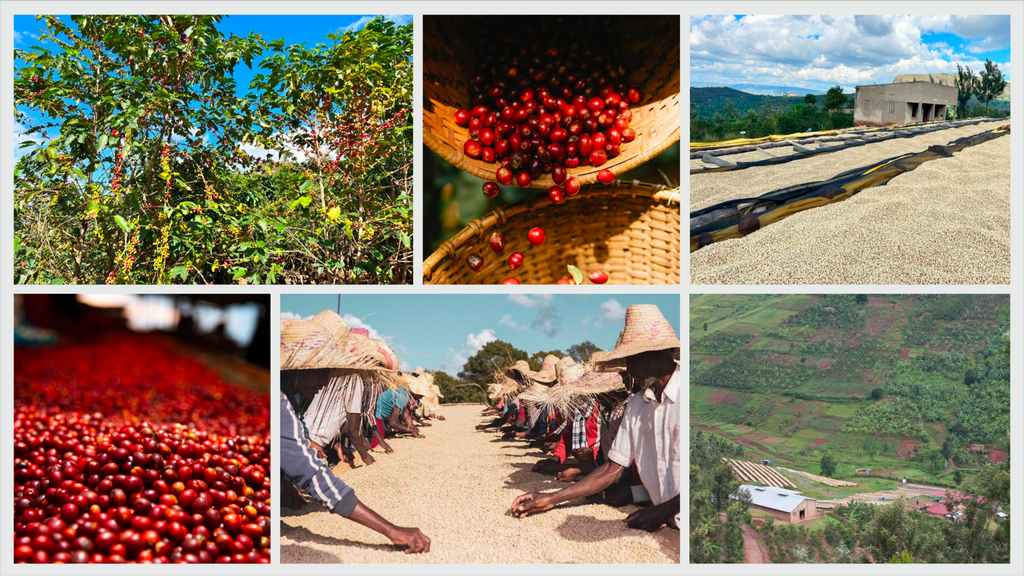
(878, 383)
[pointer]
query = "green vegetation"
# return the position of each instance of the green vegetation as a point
(150, 165)
(901, 384)
(724, 114)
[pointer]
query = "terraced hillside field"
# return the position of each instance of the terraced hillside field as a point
(903, 385)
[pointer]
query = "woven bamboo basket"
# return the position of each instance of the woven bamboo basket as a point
(630, 230)
(649, 44)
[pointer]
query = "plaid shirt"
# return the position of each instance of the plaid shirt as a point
(583, 431)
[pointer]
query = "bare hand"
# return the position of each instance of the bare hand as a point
(649, 519)
(546, 465)
(531, 503)
(415, 542)
(568, 475)
(367, 459)
(439, 417)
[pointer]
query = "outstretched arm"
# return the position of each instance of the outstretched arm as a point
(354, 423)
(592, 483)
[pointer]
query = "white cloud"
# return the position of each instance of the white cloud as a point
(815, 52)
(527, 301)
(474, 342)
(18, 37)
(354, 322)
(613, 311)
(400, 19)
(509, 321)
(456, 359)
(358, 24)
(19, 137)
(285, 315)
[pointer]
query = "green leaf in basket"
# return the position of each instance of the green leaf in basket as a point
(577, 276)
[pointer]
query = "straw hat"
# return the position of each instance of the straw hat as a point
(521, 371)
(577, 385)
(326, 341)
(647, 330)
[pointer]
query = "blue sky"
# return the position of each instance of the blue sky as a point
(439, 332)
(817, 52)
(294, 29)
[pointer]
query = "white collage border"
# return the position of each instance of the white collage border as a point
(418, 9)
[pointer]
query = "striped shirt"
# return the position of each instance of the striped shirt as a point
(301, 464)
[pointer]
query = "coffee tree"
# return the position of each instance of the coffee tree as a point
(148, 166)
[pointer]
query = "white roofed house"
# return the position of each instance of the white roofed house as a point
(782, 504)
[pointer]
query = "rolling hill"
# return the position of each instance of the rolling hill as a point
(711, 100)
(888, 382)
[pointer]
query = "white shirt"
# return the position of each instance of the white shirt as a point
(649, 436)
(327, 413)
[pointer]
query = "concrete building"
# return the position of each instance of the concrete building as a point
(782, 504)
(903, 103)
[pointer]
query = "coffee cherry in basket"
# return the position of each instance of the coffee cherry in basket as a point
(491, 189)
(515, 260)
(598, 277)
(497, 241)
(605, 177)
(462, 117)
(556, 195)
(572, 186)
(566, 281)
(511, 281)
(472, 148)
(504, 176)
(523, 179)
(536, 236)
(474, 262)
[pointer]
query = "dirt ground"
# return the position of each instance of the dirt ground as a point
(457, 485)
(753, 548)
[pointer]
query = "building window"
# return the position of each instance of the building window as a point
(892, 107)
(867, 104)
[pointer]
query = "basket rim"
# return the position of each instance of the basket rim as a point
(477, 227)
(543, 181)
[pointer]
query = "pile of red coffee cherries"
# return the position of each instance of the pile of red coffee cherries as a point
(124, 452)
(546, 112)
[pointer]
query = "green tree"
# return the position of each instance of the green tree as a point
(903, 558)
(992, 83)
(828, 465)
(810, 99)
(583, 351)
(970, 377)
(967, 85)
(893, 530)
(958, 477)
(835, 98)
(877, 393)
(861, 299)
(146, 167)
(480, 367)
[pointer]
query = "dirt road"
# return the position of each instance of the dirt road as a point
(457, 485)
(752, 548)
